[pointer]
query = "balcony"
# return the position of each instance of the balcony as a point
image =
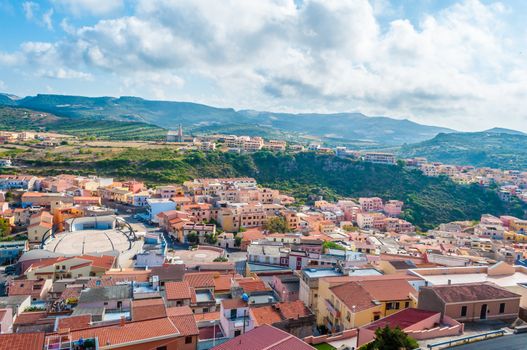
(332, 310)
(64, 342)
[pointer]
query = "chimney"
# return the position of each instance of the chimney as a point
(122, 321)
(449, 282)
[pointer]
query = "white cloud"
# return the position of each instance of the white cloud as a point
(29, 8)
(61, 73)
(46, 19)
(81, 8)
(32, 13)
(457, 67)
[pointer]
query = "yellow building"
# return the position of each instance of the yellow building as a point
(515, 237)
(74, 267)
(353, 304)
(518, 225)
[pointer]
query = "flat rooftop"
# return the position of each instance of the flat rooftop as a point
(88, 242)
(502, 280)
(319, 273)
(364, 272)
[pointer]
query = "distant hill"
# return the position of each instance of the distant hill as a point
(17, 119)
(504, 131)
(341, 128)
(505, 149)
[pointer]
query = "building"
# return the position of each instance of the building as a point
(379, 158)
(39, 224)
(25, 341)
(235, 319)
(264, 338)
(357, 303)
(418, 324)
(10, 251)
(158, 205)
(293, 317)
(470, 301)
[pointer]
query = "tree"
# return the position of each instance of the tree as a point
(237, 241)
(211, 239)
(390, 339)
(5, 228)
(276, 224)
(332, 245)
(192, 238)
(221, 259)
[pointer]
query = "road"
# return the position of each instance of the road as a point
(507, 342)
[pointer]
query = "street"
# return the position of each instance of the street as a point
(508, 342)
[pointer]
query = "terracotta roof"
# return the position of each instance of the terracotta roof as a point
(186, 324)
(26, 287)
(74, 322)
(353, 295)
(208, 316)
(30, 317)
(471, 292)
(104, 261)
(22, 341)
(141, 331)
(146, 309)
(293, 309)
(385, 290)
(172, 272)
(265, 315)
(179, 310)
(222, 283)
(402, 319)
(233, 303)
(200, 279)
(253, 286)
(264, 338)
(177, 290)
(71, 292)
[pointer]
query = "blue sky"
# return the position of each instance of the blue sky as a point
(460, 64)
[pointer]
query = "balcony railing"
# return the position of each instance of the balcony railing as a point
(332, 310)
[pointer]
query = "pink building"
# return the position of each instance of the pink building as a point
(286, 286)
(393, 208)
(371, 204)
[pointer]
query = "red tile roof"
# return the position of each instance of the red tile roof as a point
(264, 338)
(402, 319)
(253, 286)
(30, 317)
(74, 322)
(186, 324)
(293, 309)
(26, 287)
(222, 283)
(233, 303)
(265, 315)
(141, 331)
(200, 279)
(179, 310)
(147, 309)
(472, 292)
(22, 341)
(178, 290)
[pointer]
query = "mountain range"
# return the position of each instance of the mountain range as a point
(495, 148)
(354, 129)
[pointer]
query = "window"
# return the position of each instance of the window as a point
(237, 332)
(161, 348)
(397, 305)
(406, 304)
(376, 317)
(389, 306)
(502, 308)
(463, 311)
(188, 340)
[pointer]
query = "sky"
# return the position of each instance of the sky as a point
(458, 64)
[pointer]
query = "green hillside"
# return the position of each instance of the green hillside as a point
(17, 119)
(429, 201)
(504, 150)
(353, 129)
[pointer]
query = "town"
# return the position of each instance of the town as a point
(214, 263)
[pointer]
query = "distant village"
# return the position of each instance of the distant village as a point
(91, 262)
